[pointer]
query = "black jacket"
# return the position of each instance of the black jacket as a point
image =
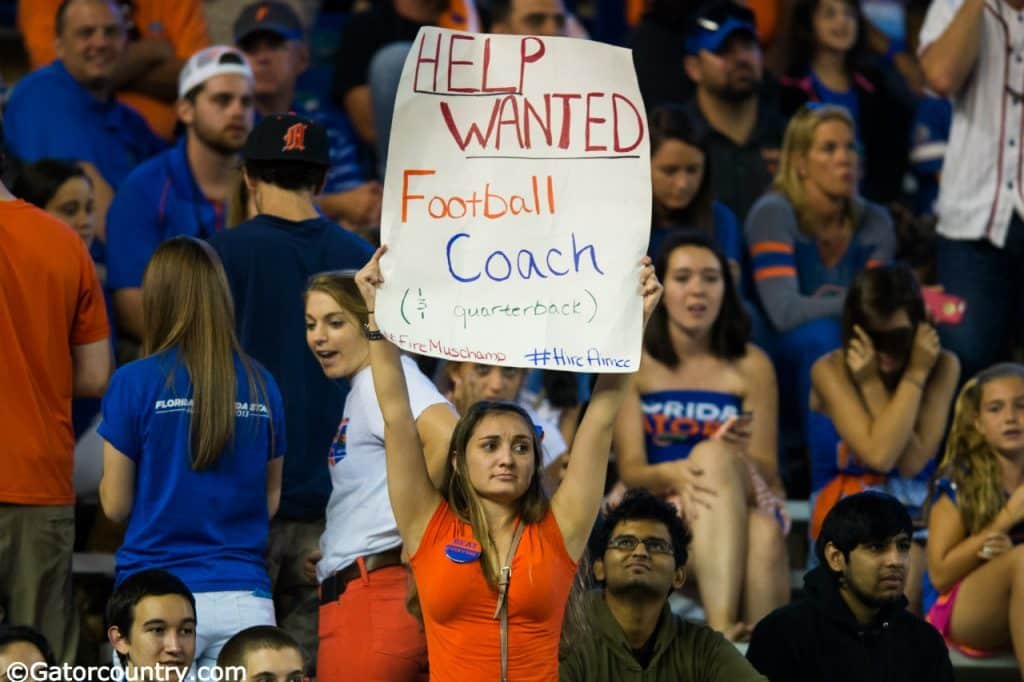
(818, 638)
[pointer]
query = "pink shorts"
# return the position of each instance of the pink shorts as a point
(941, 614)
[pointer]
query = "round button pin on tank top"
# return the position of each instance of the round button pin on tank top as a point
(462, 550)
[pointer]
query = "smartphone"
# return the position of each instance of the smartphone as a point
(944, 308)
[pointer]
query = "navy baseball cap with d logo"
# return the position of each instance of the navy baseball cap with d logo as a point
(287, 137)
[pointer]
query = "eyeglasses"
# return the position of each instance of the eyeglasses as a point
(627, 543)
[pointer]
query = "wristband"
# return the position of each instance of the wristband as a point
(372, 334)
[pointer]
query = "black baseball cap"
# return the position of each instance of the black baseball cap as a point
(287, 137)
(269, 17)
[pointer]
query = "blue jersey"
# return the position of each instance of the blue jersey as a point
(158, 200)
(207, 527)
(50, 115)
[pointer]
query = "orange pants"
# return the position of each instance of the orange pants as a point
(367, 635)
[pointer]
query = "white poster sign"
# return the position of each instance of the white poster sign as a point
(517, 203)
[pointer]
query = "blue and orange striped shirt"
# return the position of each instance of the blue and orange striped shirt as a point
(794, 284)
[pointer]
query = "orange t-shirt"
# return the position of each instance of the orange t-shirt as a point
(179, 22)
(50, 300)
(463, 638)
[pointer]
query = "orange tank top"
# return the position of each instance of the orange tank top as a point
(463, 638)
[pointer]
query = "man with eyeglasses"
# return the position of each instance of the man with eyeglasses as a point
(639, 553)
(724, 60)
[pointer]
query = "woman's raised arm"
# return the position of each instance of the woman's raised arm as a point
(577, 500)
(413, 497)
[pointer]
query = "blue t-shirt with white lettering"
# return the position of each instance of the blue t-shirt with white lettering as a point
(209, 527)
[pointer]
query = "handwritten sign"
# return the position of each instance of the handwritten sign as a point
(517, 203)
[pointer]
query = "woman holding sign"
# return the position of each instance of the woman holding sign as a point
(365, 631)
(699, 421)
(493, 558)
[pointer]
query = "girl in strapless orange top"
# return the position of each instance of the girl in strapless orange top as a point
(460, 538)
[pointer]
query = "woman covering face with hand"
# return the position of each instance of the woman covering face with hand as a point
(879, 403)
(490, 541)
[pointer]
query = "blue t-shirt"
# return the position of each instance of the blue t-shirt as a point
(209, 527)
(50, 115)
(727, 233)
(344, 172)
(676, 421)
(268, 261)
(158, 200)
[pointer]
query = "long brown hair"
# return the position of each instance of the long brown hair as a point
(969, 461)
(186, 304)
(465, 500)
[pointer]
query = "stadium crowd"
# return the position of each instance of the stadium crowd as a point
(192, 376)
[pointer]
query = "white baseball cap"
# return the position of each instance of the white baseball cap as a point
(210, 62)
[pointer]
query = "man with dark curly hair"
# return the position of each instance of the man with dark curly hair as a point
(639, 553)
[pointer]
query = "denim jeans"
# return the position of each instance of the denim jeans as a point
(991, 280)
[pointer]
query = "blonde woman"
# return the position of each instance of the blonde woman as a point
(974, 589)
(194, 445)
(490, 540)
(809, 237)
(365, 631)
